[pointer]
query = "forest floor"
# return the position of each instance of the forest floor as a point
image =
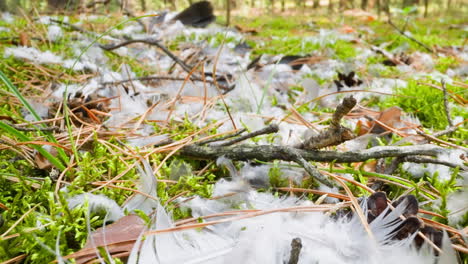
(98, 122)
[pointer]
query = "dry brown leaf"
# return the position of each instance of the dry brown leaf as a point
(24, 39)
(391, 116)
(43, 163)
(118, 237)
(246, 30)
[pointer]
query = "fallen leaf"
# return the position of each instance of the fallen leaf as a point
(118, 237)
(24, 40)
(246, 30)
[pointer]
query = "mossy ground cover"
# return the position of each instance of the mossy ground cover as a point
(36, 217)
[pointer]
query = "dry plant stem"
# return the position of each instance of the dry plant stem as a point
(434, 139)
(270, 153)
(29, 129)
(302, 190)
(336, 133)
(16, 259)
(460, 248)
(18, 221)
(446, 106)
(409, 37)
(449, 93)
(314, 208)
(273, 128)
(296, 246)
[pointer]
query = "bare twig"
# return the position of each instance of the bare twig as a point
(409, 37)
(312, 171)
(273, 128)
(446, 106)
(433, 161)
(182, 64)
(336, 133)
(440, 141)
(296, 246)
(153, 42)
(222, 138)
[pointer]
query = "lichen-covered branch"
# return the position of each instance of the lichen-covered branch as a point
(270, 153)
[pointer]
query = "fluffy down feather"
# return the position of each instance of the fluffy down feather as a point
(267, 238)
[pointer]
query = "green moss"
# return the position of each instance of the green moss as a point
(426, 103)
(344, 50)
(276, 176)
(444, 63)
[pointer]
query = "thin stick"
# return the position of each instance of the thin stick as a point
(211, 140)
(440, 141)
(273, 128)
(150, 42)
(446, 105)
(409, 37)
(433, 161)
(313, 172)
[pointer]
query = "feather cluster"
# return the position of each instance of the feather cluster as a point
(265, 235)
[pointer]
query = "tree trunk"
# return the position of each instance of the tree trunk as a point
(330, 6)
(386, 7)
(283, 5)
(341, 4)
(426, 6)
(143, 5)
(379, 7)
(3, 6)
(228, 12)
(364, 4)
(316, 4)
